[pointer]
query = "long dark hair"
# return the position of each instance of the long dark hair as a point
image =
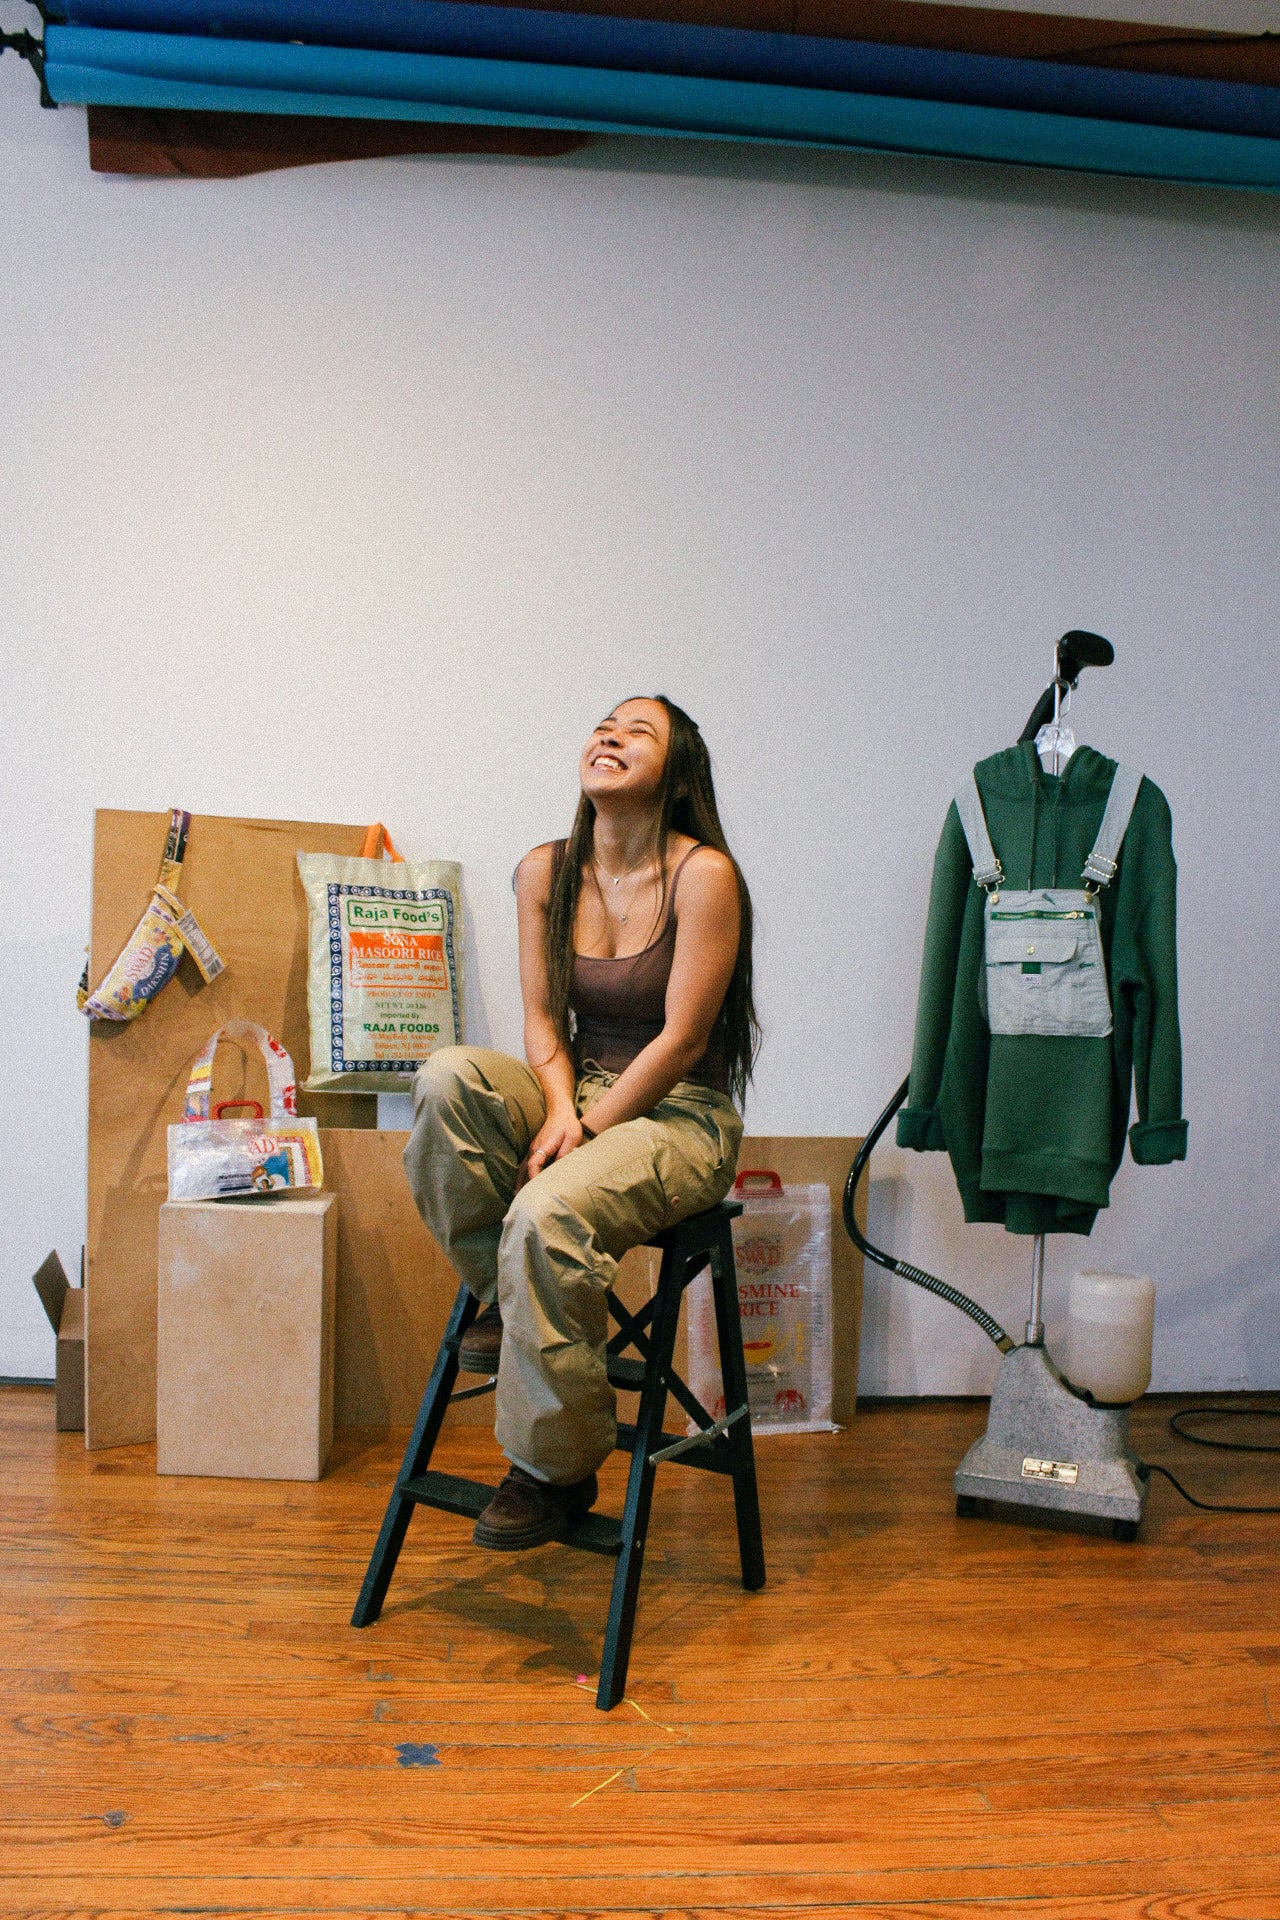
(687, 804)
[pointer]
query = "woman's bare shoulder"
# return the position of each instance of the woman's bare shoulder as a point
(533, 875)
(705, 872)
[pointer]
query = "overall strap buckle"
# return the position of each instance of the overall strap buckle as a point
(987, 870)
(1104, 859)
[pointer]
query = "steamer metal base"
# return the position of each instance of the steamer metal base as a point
(1047, 1447)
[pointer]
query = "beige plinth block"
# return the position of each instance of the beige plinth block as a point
(245, 1353)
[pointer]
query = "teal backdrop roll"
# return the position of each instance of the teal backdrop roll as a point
(111, 68)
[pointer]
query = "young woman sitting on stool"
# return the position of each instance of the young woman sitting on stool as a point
(635, 969)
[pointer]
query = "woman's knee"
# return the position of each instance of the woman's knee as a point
(536, 1213)
(544, 1230)
(550, 1277)
(442, 1079)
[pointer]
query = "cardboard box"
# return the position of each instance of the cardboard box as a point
(246, 1321)
(64, 1305)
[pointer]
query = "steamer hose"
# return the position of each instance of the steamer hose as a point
(903, 1268)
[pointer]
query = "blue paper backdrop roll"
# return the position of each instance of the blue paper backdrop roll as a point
(725, 53)
(108, 68)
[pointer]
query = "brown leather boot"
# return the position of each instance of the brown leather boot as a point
(525, 1512)
(481, 1344)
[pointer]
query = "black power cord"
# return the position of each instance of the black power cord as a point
(1177, 1425)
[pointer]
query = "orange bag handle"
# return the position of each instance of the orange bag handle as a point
(375, 839)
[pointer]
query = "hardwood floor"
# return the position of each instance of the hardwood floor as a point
(919, 1718)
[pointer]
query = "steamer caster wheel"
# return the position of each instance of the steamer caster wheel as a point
(1124, 1529)
(967, 1506)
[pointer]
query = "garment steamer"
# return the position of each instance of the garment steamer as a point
(1047, 1445)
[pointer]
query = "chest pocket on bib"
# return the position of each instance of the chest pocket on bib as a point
(1044, 971)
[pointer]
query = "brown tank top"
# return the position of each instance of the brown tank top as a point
(619, 1005)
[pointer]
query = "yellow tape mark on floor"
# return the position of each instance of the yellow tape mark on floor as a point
(585, 1686)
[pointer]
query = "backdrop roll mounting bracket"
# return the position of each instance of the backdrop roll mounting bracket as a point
(28, 48)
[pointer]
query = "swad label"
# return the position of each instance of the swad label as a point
(1064, 1471)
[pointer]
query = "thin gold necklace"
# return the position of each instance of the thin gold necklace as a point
(616, 880)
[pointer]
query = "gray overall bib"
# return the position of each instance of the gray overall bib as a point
(1044, 970)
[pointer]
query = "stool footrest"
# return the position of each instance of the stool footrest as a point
(450, 1493)
(474, 1393)
(594, 1533)
(628, 1374)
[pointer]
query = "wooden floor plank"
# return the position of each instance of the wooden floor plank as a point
(304, 1898)
(917, 1717)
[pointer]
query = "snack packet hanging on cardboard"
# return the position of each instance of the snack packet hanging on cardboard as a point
(149, 959)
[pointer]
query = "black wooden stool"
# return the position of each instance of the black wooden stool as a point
(721, 1445)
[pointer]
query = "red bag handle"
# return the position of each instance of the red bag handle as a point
(757, 1173)
(220, 1107)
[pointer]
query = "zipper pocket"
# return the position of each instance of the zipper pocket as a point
(1044, 913)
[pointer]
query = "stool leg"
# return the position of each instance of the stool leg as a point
(431, 1412)
(733, 1374)
(635, 1514)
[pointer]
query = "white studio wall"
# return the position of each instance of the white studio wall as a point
(362, 491)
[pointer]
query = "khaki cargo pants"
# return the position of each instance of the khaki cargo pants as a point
(548, 1253)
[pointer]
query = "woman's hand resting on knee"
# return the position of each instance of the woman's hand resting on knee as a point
(558, 1135)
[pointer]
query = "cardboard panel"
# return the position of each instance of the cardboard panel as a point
(395, 1287)
(241, 879)
(69, 1365)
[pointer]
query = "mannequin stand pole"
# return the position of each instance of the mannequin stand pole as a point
(1035, 1325)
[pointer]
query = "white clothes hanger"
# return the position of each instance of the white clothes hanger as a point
(1055, 743)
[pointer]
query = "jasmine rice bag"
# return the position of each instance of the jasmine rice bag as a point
(384, 974)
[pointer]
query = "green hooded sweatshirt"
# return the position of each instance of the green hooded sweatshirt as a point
(1035, 1125)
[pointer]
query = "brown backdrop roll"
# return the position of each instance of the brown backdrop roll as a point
(164, 142)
